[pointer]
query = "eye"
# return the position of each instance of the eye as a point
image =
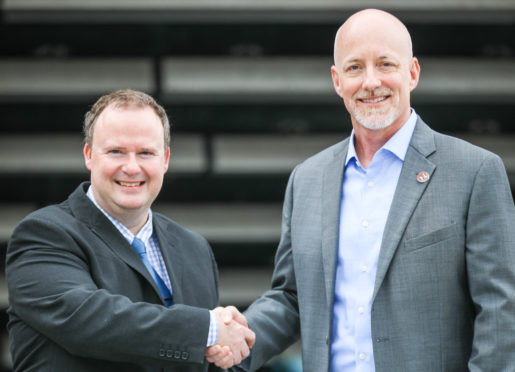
(146, 153)
(114, 152)
(387, 65)
(353, 69)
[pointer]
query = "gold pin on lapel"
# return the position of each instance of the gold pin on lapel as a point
(423, 177)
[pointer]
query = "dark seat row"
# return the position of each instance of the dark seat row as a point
(226, 79)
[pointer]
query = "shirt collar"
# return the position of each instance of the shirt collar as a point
(397, 144)
(144, 233)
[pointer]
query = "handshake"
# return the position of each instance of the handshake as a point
(235, 339)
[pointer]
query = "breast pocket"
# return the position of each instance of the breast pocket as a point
(429, 239)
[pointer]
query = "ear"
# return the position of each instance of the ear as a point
(167, 159)
(336, 81)
(87, 156)
(414, 73)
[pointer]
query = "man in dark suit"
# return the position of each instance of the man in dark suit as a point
(397, 250)
(100, 282)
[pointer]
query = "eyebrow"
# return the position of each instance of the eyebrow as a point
(357, 59)
(386, 56)
(148, 149)
(352, 60)
(122, 147)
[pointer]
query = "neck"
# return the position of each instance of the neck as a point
(366, 147)
(134, 224)
(367, 141)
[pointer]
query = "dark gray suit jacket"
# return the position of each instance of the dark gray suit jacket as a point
(82, 300)
(444, 295)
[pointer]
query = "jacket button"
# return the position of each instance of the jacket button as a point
(327, 340)
(169, 353)
(185, 355)
(177, 354)
(162, 352)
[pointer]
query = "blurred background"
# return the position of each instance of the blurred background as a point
(247, 87)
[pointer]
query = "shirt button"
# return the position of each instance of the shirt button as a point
(365, 223)
(362, 356)
(361, 310)
(364, 268)
(370, 184)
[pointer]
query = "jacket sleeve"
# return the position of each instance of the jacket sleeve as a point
(490, 259)
(274, 317)
(52, 288)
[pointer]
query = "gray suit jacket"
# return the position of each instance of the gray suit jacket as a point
(81, 299)
(444, 296)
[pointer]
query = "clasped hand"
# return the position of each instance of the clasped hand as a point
(234, 341)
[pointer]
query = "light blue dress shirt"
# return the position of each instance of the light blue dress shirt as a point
(146, 234)
(365, 202)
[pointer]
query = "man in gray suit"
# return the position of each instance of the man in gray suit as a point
(398, 244)
(102, 283)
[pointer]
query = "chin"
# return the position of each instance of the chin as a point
(131, 206)
(375, 125)
(376, 121)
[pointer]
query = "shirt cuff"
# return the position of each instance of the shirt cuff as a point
(212, 336)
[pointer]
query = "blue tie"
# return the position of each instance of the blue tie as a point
(140, 248)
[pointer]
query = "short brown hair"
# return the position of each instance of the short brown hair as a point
(122, 99)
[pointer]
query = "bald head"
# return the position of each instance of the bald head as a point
(371, 25)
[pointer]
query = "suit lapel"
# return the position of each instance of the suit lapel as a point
(406, 197)
(100, 225)
(331, 195)
(122, 248)
(174, 262)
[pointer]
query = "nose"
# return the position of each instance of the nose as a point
(371, 79)
(131, 165)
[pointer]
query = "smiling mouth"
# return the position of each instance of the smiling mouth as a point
(373, 100)
(129, 184)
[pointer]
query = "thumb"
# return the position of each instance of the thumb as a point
(226, 316)
(237, 316)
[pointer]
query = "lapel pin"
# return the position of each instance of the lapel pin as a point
(423, 177)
